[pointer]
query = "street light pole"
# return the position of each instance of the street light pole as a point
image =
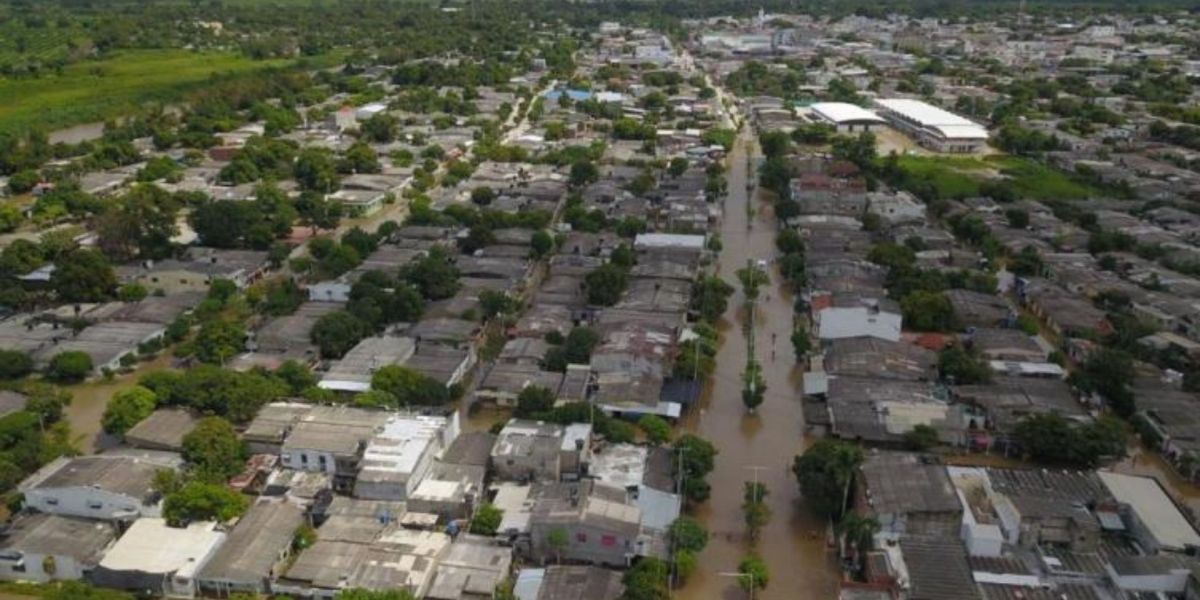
(739, 576)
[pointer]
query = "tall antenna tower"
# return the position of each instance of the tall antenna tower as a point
(1021, 14)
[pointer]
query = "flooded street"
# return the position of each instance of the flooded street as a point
(792, 541)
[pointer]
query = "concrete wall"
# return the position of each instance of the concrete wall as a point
(32, 569)
(87, 502)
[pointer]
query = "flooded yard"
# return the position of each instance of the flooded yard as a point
(89, 399)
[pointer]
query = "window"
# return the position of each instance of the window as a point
(608, 540)
(304, 458)
(18, 568)
(95, 505)
(581, 537)
(52, 501)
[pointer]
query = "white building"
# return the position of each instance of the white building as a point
(847, 316)
(397, 459)
(846, 117)
(367, 111)
(40, 548)
(1152, 516)
(933, 127)
(96, 487)
(155, 559)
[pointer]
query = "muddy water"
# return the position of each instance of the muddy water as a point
(792, 542)
(89, 399)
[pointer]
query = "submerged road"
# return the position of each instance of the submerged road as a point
(792, 542)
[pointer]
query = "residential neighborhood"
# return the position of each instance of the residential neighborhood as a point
(857, 305)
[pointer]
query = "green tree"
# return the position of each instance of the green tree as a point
(199, 501)
(360, 158)
(14, 364)
(214, 450)
(649, 579)
(752, 279)
(534, 400)
(486, 520)
(1108, 372)
(316, 171)
(754, 507)
(219, 340)
(825, 472)
(605, 284)
(409, 387)
(83, 275)
(127, 408)
(754, 573)
(583, 172)
(337, 332)
(542, 243)
(801, 344)
(657, 429)
(698, 459)
(754, 386)
(710, 297)
(963, 366)
(686, 533)
(434, 275)
(1017, 218)
(72, 366)
(558, 541)
(921, 437)
(928, 311)
(296, 375)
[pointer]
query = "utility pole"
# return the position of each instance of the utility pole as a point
(756, 469)
(739, 576)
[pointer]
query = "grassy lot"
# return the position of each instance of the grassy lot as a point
(956, 177)
(97, 90)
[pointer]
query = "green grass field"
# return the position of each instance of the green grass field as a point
(957, 177)
(98, 90)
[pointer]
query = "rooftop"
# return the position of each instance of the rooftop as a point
(844, 112)
(898, 482)
(164, 429)
(151, 546)
(256, 543)
(120, 475)
(1154, 509)
(84, 540)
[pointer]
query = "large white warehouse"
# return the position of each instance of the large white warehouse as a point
(933, 127)
(846, 117)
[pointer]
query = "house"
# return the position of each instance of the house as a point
(472, 569)
(504, 382)
(354, 371)
(198, 269)
(869, 357)
(271, 426)
(400, 453)
(39, 547)
(599, 524)
(392, 559)
(331, 439)
(853, 315)
(528, 451)
(164, 429)
(1153, 518)
(253, 553)
(1006, 345)
(881, 411)
(96, 486)
(155, 559)
(359, 203)
(907, 495)
(976, 309)
(568, 582)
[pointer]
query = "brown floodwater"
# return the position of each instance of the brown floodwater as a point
(793, 542)
(89, 399)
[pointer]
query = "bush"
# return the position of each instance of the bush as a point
(69, 367)
(127, 408)
(657, 430)
(14, 364)
(487, 520)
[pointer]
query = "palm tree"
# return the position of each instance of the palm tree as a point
(858, 534)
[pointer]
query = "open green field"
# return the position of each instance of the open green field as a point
(956, 177)
(97, 90)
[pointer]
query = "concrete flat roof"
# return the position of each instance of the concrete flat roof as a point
(1153, 507)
